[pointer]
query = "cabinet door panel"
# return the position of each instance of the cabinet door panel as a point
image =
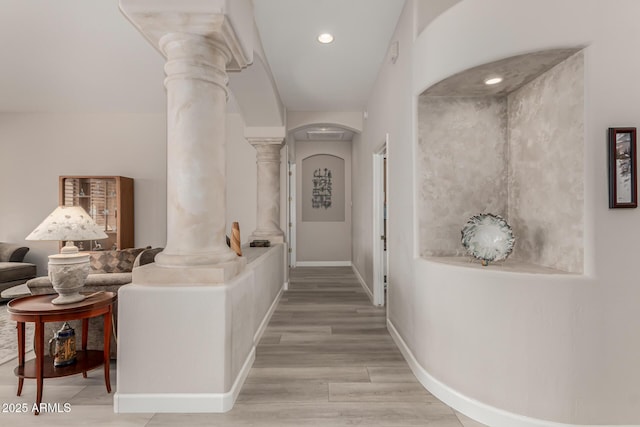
(109, 201)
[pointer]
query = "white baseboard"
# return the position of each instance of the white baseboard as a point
(472, 408)
(267, 317)
(363, 283)
(184, 402)
(323, 264)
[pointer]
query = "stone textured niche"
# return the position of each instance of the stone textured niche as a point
(518, 154)
(462, 173)
(546, 133)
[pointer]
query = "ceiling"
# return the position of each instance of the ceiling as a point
(335, 77)
(84, 56)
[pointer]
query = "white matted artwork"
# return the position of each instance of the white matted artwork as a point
(323, 188)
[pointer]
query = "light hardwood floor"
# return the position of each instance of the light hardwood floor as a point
(325, 359)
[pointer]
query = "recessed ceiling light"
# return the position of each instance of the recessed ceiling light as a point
(325, 38)
(492, 80)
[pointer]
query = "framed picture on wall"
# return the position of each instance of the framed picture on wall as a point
(323, 188)
(623, 191)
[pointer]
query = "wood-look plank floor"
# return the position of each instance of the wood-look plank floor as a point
(326, 359)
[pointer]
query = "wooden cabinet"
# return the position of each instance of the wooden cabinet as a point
(109, 201)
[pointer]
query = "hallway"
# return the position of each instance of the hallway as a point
(325, 359)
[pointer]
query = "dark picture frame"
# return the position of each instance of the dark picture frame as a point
(623, 183)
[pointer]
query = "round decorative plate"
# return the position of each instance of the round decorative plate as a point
(488, 237)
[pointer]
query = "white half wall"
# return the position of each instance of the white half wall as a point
(196, 358)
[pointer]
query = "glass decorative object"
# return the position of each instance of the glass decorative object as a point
(488, 237)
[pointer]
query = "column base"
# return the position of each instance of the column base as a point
(214, 258)
(205, 275)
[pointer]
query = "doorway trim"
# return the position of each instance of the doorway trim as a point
(379, 262)
(291, 213)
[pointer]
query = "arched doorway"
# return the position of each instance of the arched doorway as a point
(320, 195)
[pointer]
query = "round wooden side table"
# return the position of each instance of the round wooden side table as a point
(39, 310)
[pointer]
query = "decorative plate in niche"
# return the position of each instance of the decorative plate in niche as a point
(488, 237)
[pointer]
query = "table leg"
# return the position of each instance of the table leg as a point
(85, 336)
(39, 361)
(21, 351)
(107, 347)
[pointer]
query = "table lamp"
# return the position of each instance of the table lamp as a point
(69, 269)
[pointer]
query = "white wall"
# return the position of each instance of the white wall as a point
(37, 148)
(241, 179)
(391, 109)
(362, 209)
(323, 241)
(427, 10)
(515, 349)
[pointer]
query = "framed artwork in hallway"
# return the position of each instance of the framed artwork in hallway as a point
(323, 188)
(623, 192)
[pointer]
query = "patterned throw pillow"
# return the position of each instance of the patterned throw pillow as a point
(149, 255)
(113, 261)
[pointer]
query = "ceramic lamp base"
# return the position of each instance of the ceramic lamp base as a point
(68, 272)
(68, 299)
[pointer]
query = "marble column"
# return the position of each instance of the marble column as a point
(196, 138)
(196, 291)
(268, 209)
(200, 44)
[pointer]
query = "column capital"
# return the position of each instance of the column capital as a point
(267, 149)
(192, 56)
(214, 19)
(266, 141)
(266, 133)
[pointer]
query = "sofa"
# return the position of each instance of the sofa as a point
(13, 271)
(109, 270)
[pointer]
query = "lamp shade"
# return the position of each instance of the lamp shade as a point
(68, 223)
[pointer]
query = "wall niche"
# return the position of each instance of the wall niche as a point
(514, 149)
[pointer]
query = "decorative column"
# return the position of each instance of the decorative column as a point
(200, 45)
(195, 290)
(196, 138)
(268, 209)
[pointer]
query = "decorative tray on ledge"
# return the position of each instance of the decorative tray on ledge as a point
(488, 237)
